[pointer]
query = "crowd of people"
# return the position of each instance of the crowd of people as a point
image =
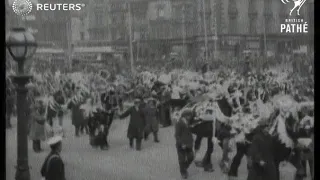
(224, 104)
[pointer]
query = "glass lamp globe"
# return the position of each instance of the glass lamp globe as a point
(21, 44)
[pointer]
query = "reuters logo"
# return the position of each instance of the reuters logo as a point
(22, 7)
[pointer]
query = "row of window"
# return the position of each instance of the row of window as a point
(163, 32)
(233, 25)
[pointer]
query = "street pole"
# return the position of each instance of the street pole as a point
(183, 35)
(216, 54)
(138, 46)
(69, 43)
(13, 42)
(214, 25)
(216, 39)
(130, 36)
(205, 31)
(265, 39)
(22, 169)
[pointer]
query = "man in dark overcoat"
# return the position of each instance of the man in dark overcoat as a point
(164, 109)
(136, 124)
(184, 142)
(261, 164)
(152, 121)
(76, 112)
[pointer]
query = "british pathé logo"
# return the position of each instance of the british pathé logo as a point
(24, 7)
(297, 4)
(294, 25)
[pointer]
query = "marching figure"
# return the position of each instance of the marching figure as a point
(97, 121)
(54, 109)
(98, 129)
(184, 142)
(37, 127)
(110, 103)
(53, 167)
(152, 122)
(261, 164)
(76, 113)
(136, 125)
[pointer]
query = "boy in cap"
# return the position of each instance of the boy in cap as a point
(184, 142)
(53, 167)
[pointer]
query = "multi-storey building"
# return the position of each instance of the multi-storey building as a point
(160, 27)
(250, 22)
(98, 27)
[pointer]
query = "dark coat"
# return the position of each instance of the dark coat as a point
(164, 113)
(53, 169)
(152, 121)
(183, 134)
(58, 96)
(261, 149)
(109, 101)
(56, 111)
(76, 114)
(137, 122)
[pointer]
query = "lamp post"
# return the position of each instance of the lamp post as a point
(21, 45)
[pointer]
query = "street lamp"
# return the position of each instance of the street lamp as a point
(21, 45)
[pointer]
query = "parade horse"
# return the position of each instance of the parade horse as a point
(224, 131)
(204, 129)
(284, 132)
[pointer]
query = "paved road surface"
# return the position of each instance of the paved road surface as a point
(154, 162)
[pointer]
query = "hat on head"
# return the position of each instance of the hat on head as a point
(54, 140)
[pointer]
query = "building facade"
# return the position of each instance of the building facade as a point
(161, 27)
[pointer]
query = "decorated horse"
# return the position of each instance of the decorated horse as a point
(209, 121)
(225, 128)
(283, 127)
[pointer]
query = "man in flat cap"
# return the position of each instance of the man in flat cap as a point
(184, 142)
(53, 167)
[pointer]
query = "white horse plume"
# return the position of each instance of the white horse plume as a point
(297, 4)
